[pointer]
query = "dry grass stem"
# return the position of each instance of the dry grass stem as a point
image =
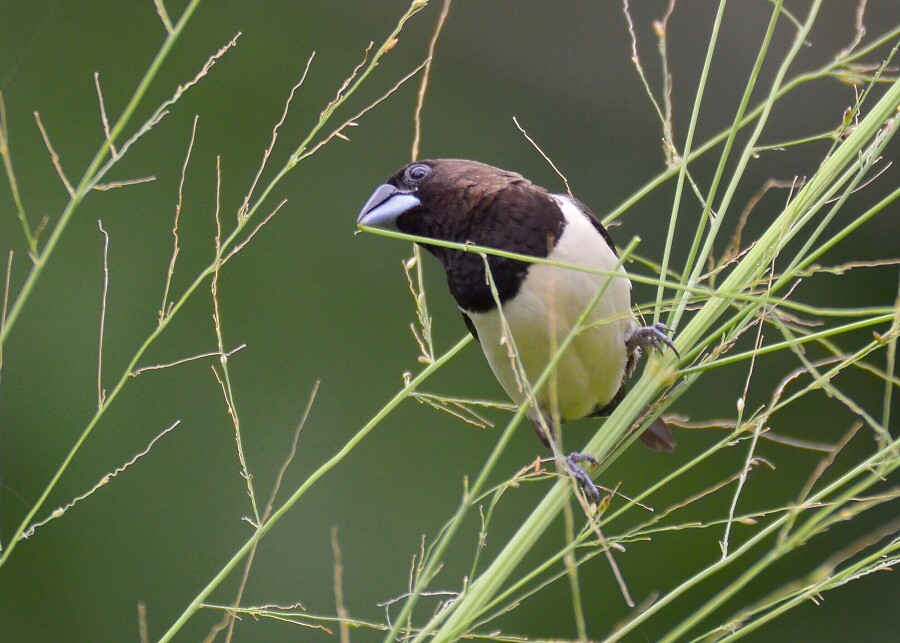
(11, 178)
(164, 309)
(245, 206)
(185, 360)
(665, 114)
(426, 75)
(546, 158)
(9, 261)
(112, 185)
(225, 378)
(101, 394)
(164, 15)
(733, 250)
(143, 629)
(103, 118)
(240, 246)
(858, 33)
(339, 96)
(757, 429)
(54, 157)
(422, 335)
(341, 609)
(59, 511)
(661, 28)
(817, 474)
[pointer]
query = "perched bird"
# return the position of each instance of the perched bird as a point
(466, 201)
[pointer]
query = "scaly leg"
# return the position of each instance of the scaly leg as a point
(581, 475)
(653, 336)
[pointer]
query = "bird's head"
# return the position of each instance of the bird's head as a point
(446, 199)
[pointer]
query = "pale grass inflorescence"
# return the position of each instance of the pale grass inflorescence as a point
(713, 303)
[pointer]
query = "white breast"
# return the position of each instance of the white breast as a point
(546, 308)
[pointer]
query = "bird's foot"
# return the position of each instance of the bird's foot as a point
(653, 336)
(581, 475)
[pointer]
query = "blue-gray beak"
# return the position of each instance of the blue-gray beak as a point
(384, 206)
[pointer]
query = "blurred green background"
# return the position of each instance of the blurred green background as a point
(313, 301)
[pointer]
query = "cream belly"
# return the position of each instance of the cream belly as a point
(545, 309)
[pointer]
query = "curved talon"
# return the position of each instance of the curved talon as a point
(653, 336)
(581, 475)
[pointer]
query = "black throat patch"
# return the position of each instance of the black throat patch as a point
(520, 218)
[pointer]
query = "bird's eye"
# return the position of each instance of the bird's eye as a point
(416, 173)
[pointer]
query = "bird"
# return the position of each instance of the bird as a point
(469, 202)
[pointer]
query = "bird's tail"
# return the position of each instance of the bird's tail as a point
(658, 437)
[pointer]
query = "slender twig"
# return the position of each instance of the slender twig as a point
(164, 308)
(163, 109)
(242, 211)
(240, 246)
(342, 614)
(112, 185)
(546, 158)
(185, 360)
(757, 430)
(101, 394)
(303, 153)
(163, 15)
(143, 629)
(9, 261)
(103, 118)
(733, 250)
(824, 382)
(858, 32)
(416, 284)
(293, 451)
(225, 378)
(30, 238)
(59, 511)
(426, 74)
(891, 359)
(816, 475)
(54, 157)
(636, 61)
(661, 27)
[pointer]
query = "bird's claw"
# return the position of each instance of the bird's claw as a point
(653, 336)
(581, 475)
